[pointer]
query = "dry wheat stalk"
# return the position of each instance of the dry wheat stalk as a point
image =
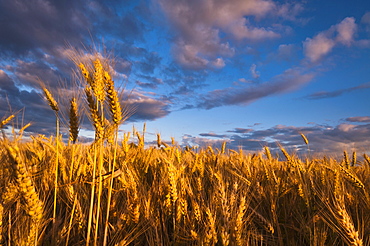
(346, 222)
(98, 87)
(367, 159)
(268, 153)
(95, 117)
(239, 221)
(352, 178)
(34, 206)
(345, 159)
(85, 74)
(113, 100)
(6, 121)
(52, 102)
(73, 121)
(210, 237)
(1, 222)
(354, 159)
(304, 138)
(10, 194)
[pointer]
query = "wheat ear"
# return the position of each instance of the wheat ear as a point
(6, 121)
(49, 97)
(73, 121)
(98, 87)
(97, 122)
(113, 100)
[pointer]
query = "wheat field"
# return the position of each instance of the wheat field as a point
(117, 191)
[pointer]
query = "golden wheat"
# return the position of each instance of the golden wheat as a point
(6, 121)
(49, 97)
(73, 121)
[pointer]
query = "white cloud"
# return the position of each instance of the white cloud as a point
(317, 47)
(346, 30)
(241, 29)
(254, 72)
(320, 45)
(219, 63)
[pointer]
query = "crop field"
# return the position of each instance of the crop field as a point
(118, 191)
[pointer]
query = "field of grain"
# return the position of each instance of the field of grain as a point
(117, 191)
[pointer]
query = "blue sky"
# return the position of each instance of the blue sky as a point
(249, 72)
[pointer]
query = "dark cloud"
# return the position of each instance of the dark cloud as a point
(336, 93)
(241, 130)
(213, 135)
(146, 85)
(290, 80)
(146, 108)
(39, 38)
(323, 139)
(29, 25)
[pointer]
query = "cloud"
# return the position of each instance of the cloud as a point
(241, 130)
(218, 63)
(285, 52)
(213, 135)
(290, 80)
(254, 72)
(317, 47)
(323, 139)
(198, 26)
(189, 140)
(145, 107)
(366, 20)
(336, 93)
(152, 84)
(358, 119)
(325, 41)
(346, 31)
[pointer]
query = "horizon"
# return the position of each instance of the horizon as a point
(251, 73)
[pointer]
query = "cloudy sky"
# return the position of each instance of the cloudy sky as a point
(249, 72)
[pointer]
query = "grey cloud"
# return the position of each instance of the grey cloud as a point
(336, 93)
(197, 26)
(146, 108)
(241, 130)
(322, 138)
(146, 85)
(213, 135)
(290, 80)
(29, 25)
